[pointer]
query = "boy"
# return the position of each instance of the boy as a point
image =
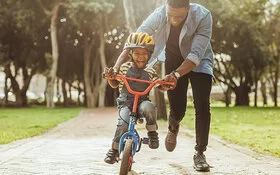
(141, 47)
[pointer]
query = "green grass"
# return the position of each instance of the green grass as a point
(256, 128)
(23, 123)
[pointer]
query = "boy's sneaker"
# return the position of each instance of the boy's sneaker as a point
(112, 156)
(153, 139)
(200, 163)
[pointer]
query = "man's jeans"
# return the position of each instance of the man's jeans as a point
(201, 87)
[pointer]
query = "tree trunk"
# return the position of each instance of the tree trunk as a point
(64, 92)
(242, 95)
(88, 77)
(6, 91)
(52, 75)
(228, 96)
(69, 90)
(101, 51)
(129, 15)
(263, 92)
(256, 93)
(21, 99)
(159, 100)
(58, 95)
(79, 94)
(20, 93)
(96, 74)
(276, 78)
(160, 104)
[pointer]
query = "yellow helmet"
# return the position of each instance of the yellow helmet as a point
(140, 40)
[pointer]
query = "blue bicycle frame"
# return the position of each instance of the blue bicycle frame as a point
(131, 134)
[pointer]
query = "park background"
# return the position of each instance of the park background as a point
(52, 54)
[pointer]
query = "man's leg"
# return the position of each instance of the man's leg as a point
(148, 110)
(201, 86)
(178, 101)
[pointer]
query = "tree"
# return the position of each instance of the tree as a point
(273, 36)
(90, 17)
(239, 37)
(21, 43)
(129, 15)
(53, 15)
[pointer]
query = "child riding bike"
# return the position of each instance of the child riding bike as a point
(141, 47)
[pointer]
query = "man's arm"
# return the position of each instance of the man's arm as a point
(121, 59)
(186, 67)
(153, 21)
(201, 40)
(199, 45)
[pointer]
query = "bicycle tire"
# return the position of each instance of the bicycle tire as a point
(127, 159)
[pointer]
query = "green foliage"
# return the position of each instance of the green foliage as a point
(83, 12)
(23, 123)
(96, 6)
(22, 36)
(256, 128)
(241, 32)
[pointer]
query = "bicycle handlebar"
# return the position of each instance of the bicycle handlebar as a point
(152, 84)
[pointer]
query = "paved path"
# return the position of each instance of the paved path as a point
(78, 147)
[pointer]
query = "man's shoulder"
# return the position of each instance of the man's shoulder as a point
(161, 9)
(197, 8)
(198, 13)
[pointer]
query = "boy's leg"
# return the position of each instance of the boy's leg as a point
(122, 127)
(148, 110)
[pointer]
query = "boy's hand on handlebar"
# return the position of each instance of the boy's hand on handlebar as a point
(109, 73)
(169, 78)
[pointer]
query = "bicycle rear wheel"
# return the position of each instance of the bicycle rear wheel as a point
(126, 159)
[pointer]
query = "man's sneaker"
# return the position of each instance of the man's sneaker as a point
(171, 140)
(112, 156)
(200, 163)
(153, 139)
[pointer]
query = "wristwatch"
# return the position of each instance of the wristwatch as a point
(177, 74)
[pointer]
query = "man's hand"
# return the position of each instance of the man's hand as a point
(169, 78)
(109, 73)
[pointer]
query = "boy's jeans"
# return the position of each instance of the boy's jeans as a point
(146, 109)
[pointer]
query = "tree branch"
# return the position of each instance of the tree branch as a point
(46, 11)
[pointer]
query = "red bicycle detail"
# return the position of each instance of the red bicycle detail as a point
(130, 142)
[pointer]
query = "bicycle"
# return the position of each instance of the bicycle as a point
(131, 142)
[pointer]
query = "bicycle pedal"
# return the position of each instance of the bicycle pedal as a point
(145, 140)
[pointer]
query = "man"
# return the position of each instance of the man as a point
(183, 30)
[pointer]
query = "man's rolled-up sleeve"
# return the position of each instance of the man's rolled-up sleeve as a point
(201, 39)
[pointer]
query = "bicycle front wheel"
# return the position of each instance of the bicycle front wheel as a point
(126, 159)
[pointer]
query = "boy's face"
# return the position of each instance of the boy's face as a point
(140, 57)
